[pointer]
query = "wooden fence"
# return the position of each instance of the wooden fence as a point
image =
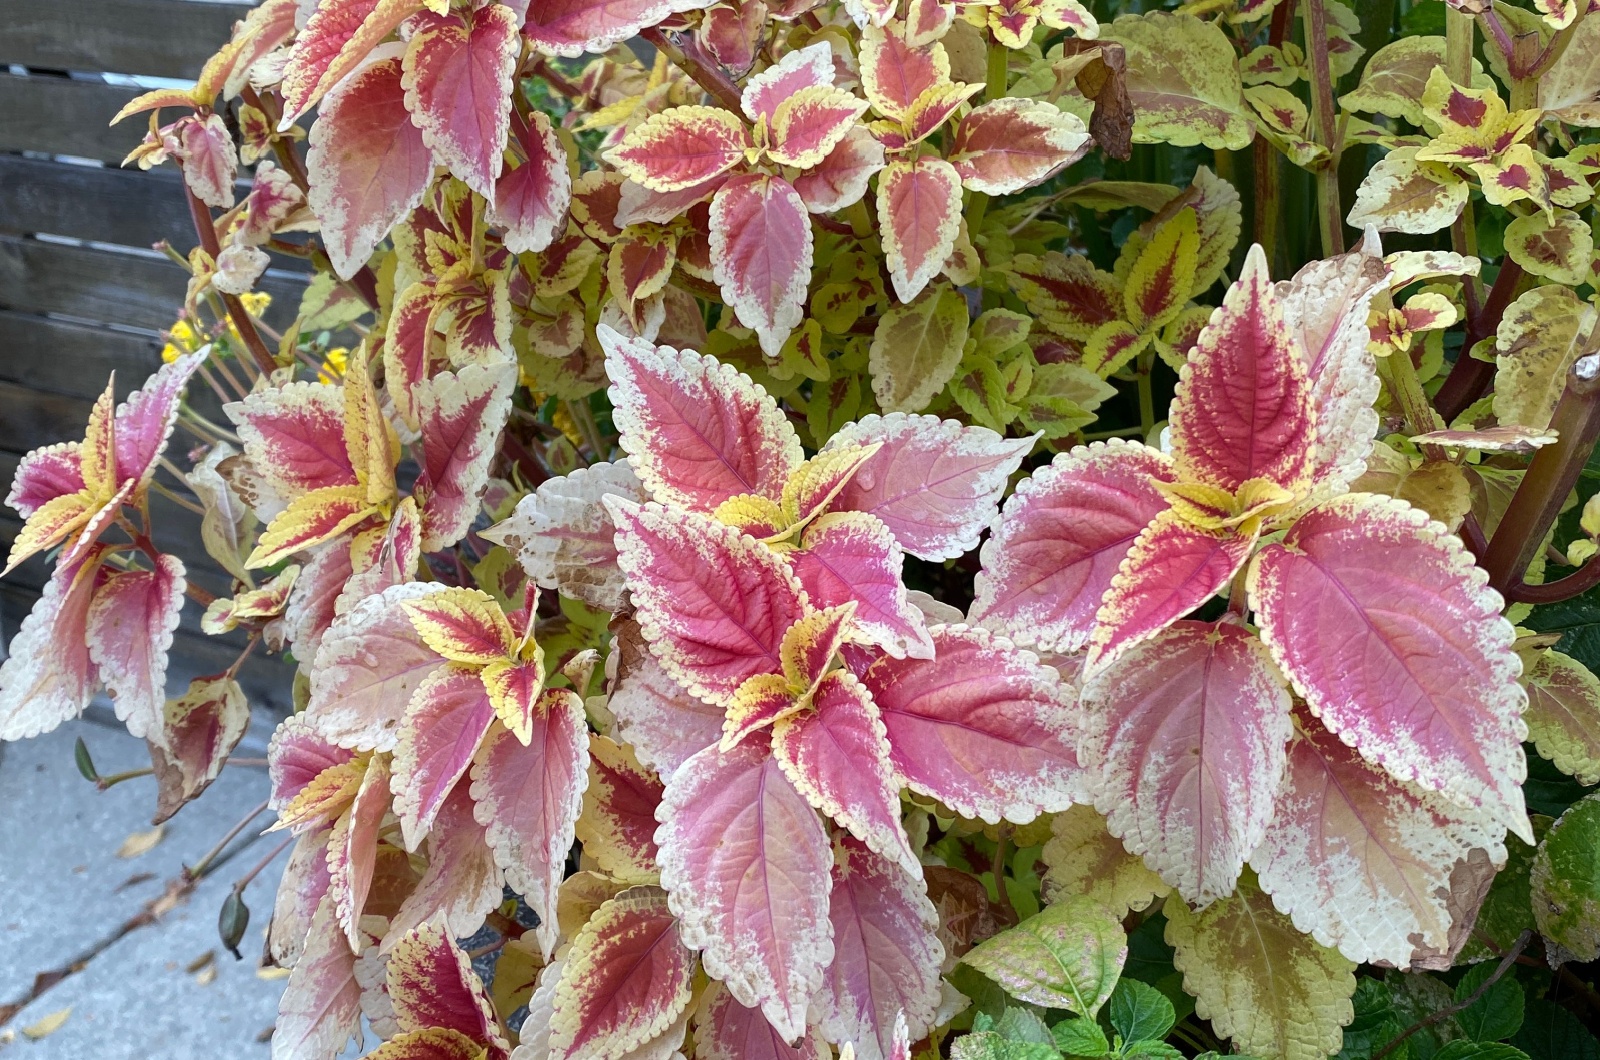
(82, 294)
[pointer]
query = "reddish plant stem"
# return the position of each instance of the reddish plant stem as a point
(1470, 377)
(206, 229)
(1544, 488)
(688, 57)
(1460, 1006)
(543, 70)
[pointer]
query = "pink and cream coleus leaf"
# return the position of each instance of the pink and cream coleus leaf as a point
(129, 626)
(462, 883)
(310, 520)
(200, 730)
(712, 603)
(45, 474)
(618, 824)
(528, 799)
(50, 676)
(431, 984)
(803, 68)
(696, 431)
(444, 723)
(886, 954)
(1325, 308)
(530, 202)
(353, 848)
(1172, 568)
(1063, 535)
(746, 865)
(983, 727)
(1361, 861)
(809, 124)
(569, 28)
(297, 756)
(682, 147)
(1387, 629)
(853, 557)
(919, 216)
(840, 180)
(460, 415)
(761, 250)
(336, 38)
(1007, 145)
(369, 165)
(662, 722)
(726, 1030)
(1185, 738)
(894, 74)
(144, 422)
(465, 626)
(368, 665)
(293, 438)
(458, 76)
(1243, 408)
(321, 1006)
(837, 755)
(563, 535)
(626, 979)
(935, 483)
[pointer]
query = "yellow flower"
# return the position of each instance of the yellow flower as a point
(181, 339)
(333, 365)
(256, 302)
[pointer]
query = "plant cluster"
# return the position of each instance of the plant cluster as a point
(806, 529)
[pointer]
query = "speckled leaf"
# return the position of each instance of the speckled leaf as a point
(1185, 737)
(320, 1010)
(1563, 712)
(1059, 542)
(431, 984)
(1068, 956)
(726, 1030)
(1559, 248)
(1260, 982)
(1400, 194)
(201, 728)
(886, 956)
(1565, 883)
(696, 431)
(1360, 861)
(1183, 81)
(1540, 336)
(1386, 628)
(746, 864)
(983, 727)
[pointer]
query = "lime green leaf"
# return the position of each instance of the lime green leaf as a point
(1565, 884)
(1081, 1037)
(917, 348)
(1539, 337)
(1068, 956)
(1183, 79)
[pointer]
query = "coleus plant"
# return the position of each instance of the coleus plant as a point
(677, 491)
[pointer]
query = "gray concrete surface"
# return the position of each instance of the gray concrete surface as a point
(66, 898)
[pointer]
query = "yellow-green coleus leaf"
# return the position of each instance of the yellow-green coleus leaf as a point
(1396, 76)
(1402, 194)
(1539, 337)
(1559, 247)
(917, 348)
(1259, 981)
(1069, 956)
(1183, 79)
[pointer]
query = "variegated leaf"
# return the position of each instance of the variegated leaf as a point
(1185, 736)
(626, 979)
(712, 603)
(1387, 629)
(445, 721)
(746, 864)
(726, 1030)
(321, 1006)
(696, 431)
(460, 415)
(919, 216)
(368, 163)
(431, 983)
(618, 824)
(528, 799)
(1183, 81)
(1086, 860)
(458, 73)
(840, 180)
(1010, 144)
(761, 255)
(1361, 861)
(353, 849)
(128, 627)
(1058, 544)
(983, 727)
(886, 956)
(935, 483)
(530, 202)
(571, 27)
(1563, 712)
(853, 557)
(664, 724)
(1401, 194)
(462, 883)
(49, 675)
(681, 148)
(200, 729)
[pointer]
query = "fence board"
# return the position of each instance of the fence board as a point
(94, 284)
(72, 359)
(60, 116)
(123, 206)
(164, 38)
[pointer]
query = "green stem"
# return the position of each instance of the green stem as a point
(1324, 114)
(1147, 397)
(995, 74)
(1400, 376)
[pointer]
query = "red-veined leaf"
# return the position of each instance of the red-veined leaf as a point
(983, 727)
(696, 431)
(935, 483)
(1007, 145)
(460, 415)
(530, 201)
(1185, 736)
(45, 474)
(1387, 629)
(810, 123)
(458, 73)
(894, 74)
(293, 438)
(337, 36)
(761, 255)
(712, 603)
(368, 163)
(853, 556)
(445, 721)
(746, 864)
(840, 179)
(145, 421)
(1243, 408)
(129, 627)
(1061, 539)
(431, 984)
(528, 798)
(803, 68)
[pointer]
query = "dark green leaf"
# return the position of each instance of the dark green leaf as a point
(1140, 1012)
(1375, 1024)
(1578, 622)
(1547, 790)
(1497, 1014)
(1565, 884)
(1151, 1048)
(1506, 912)
(232, 922)
(1020, 1024)
(986, 1045)
(1465, 1050)
(1550, 1032)
(1080, 1037)
(80, 754)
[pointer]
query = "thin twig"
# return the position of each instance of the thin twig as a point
(1461, 1006)
(200, 867)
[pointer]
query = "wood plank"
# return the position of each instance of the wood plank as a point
(92, 284)
(73, 359)
(29, 419)
(165, 38)
(60, 116)
(125, 206)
